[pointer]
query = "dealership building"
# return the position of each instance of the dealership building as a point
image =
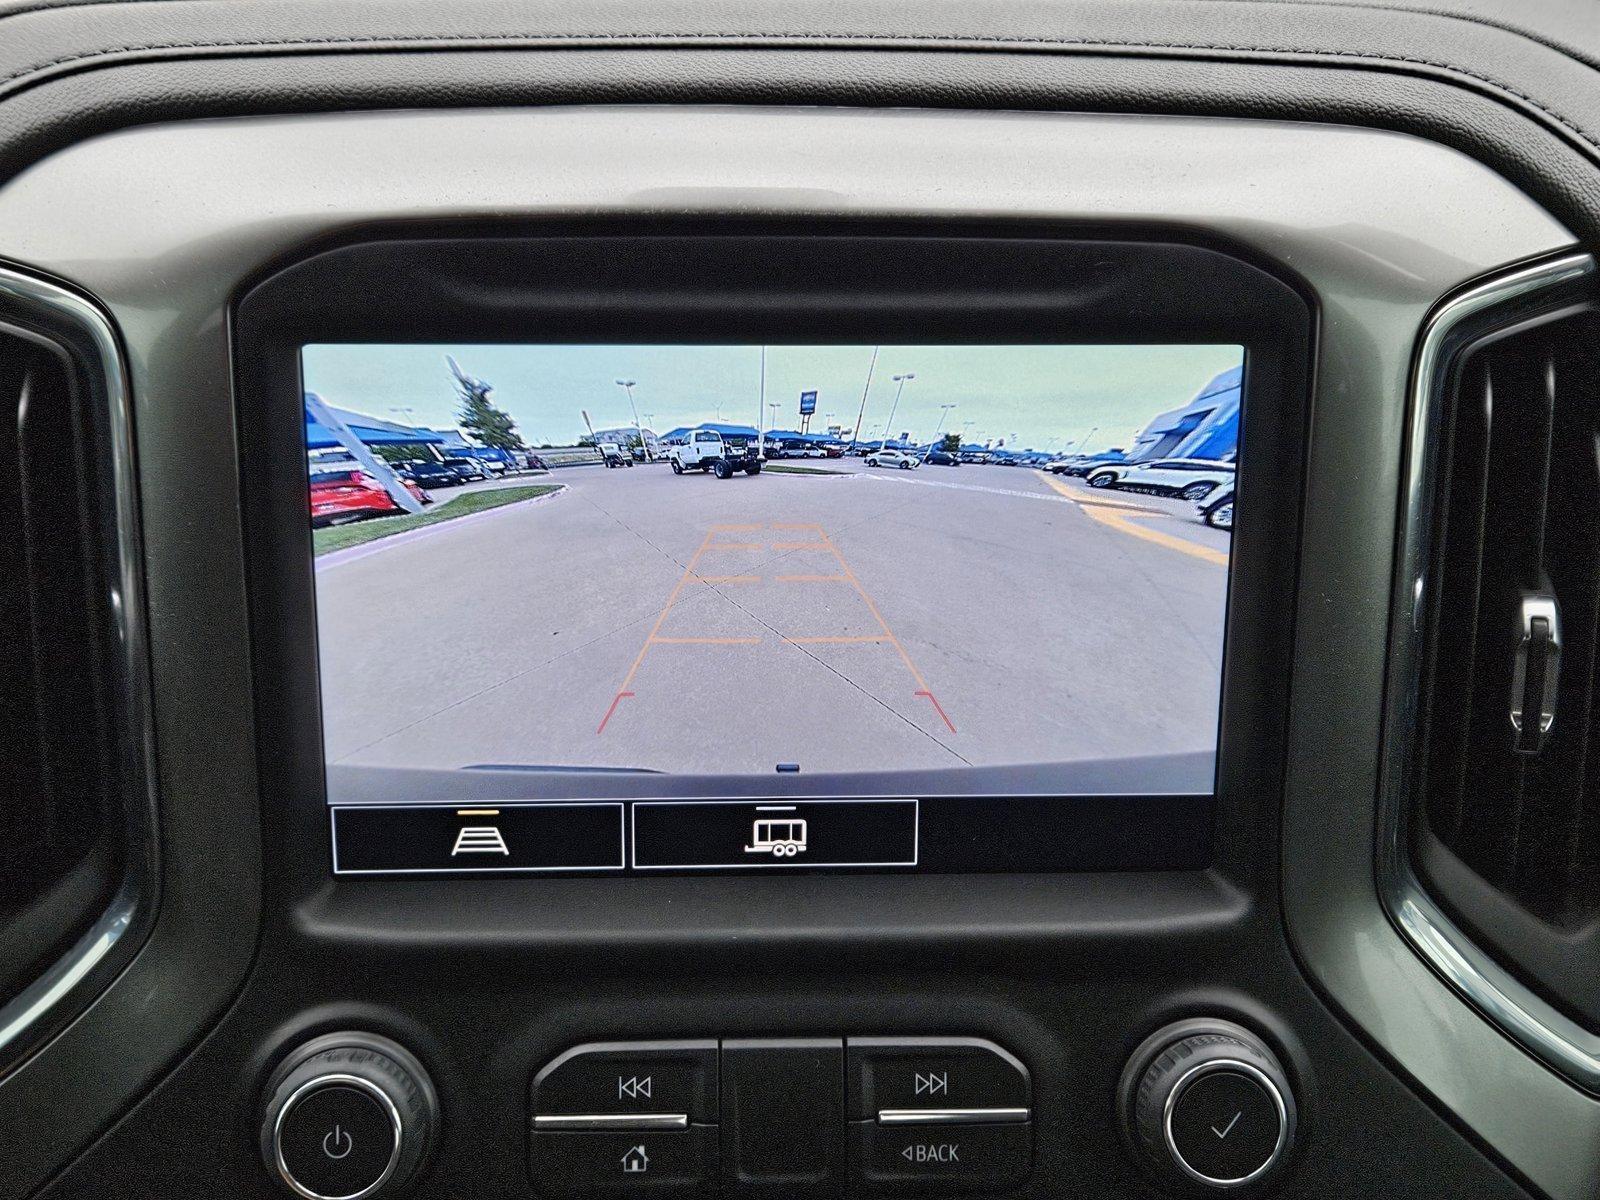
(1206, 427)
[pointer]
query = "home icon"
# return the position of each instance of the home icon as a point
(635, 1161)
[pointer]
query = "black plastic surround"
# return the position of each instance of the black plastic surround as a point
(872, 282)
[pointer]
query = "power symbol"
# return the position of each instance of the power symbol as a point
(337, 1143)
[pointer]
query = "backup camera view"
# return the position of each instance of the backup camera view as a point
(721, 560)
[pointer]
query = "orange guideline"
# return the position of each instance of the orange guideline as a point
(821, 541)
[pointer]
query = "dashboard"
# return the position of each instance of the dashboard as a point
(665, 616)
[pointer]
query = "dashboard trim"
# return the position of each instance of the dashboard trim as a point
(234, 198)
(1551, 1036)
(116, 935)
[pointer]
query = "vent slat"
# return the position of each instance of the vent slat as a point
(1453, 641)
(1519, 510)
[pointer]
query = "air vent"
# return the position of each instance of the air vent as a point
(1507, 835)
(75, 811)
(52, 814)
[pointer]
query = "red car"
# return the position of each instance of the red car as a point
(338, 496)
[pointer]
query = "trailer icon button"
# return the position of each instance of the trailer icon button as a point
(695, 835)
(782, 836)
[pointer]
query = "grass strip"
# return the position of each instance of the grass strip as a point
(342, 537)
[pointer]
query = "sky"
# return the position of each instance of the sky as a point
(1083, 398)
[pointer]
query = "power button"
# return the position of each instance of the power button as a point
(348, 1116)
(337, 1138)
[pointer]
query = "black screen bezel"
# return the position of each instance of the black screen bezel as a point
(839, 282)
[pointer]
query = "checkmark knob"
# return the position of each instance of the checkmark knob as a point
(1210, 1105)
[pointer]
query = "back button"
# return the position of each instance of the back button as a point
(947, 1158)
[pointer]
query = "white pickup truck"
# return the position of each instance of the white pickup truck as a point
(708, 450)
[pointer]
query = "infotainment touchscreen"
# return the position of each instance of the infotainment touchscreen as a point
(770, 608)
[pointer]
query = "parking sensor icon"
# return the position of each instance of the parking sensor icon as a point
(480, 839)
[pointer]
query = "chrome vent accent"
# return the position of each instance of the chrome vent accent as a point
(76, 810)
(1490, 817)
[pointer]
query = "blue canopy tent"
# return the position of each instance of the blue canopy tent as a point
(357, 433)
(372, 431)
(682, 432)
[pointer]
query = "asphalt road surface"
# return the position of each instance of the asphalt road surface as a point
(886, 619)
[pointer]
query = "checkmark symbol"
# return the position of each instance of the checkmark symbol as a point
(1228, 1128)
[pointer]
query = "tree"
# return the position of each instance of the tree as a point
(951, 443)
(479, 417)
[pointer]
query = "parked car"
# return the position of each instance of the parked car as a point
(708, 450)
(1187, 478)
(893, 458)
(614, 455)
(534, 462)
(1217, 510)
(468, 470)
(1081, 464)
(338, 497)
(429, 474)
(943, 458)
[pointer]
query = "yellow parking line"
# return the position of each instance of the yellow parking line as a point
(1109, 514)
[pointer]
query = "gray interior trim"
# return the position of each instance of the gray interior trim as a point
(1539, 1027)
(1380, 226)
(114, 936)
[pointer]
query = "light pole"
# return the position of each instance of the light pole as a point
(944, 411)
(867, 387)
(900, 381)
(761, 400)
(628, 385)
(772, 421)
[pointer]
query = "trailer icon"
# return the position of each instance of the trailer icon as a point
(780, 838)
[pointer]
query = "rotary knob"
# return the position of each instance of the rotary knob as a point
(349, 1116)
(1209, 1107)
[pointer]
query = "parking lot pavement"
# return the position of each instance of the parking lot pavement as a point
(885, 619)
